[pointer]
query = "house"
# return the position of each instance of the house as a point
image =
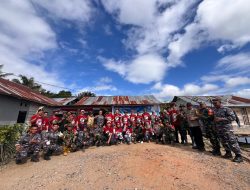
(123, 103)
(240, 105)
(18, 103)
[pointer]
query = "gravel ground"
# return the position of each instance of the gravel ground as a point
(130, 167)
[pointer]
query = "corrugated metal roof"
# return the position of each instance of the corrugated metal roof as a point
(119, 100)
(65, 101)
(17, 90)
(227, 100)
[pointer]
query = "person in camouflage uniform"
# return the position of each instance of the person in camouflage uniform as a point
(100, 119)
(69, 139)
(207, 118)
(83, 140)
(28, 145)
(52, 142)
(223, 117)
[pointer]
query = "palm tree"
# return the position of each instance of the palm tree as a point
(3, 74)
(29, 82)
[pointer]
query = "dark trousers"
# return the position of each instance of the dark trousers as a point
(197, 134)
(177, 131)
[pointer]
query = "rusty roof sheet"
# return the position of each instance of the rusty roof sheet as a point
(119, 100)
(227, 100)
(10, 88)
(65, 101)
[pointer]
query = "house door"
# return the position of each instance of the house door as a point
(21, 116)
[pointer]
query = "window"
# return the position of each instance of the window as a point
(21, 116)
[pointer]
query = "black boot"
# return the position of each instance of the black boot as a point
(18, 161)
(238, 158)
(34, 159)
(228, 155)
(46, 156)
(216, 152)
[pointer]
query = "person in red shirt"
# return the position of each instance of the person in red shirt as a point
(125, 120)
(109, 133)
(128, 135)
(54, 117)
(174, 121)
(81, 120)
(118, 131)
(133, 118)
(117, 116)
(109, 117)
(46, 124)
(139, 118)
(37, 119)
(146, 118)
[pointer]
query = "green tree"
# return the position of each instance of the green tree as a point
(85, 94)
(29, 82)
(3, 74)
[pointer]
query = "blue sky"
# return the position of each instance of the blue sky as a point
(129, 47)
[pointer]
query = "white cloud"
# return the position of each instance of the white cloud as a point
(168, 91)
(237, 81)
(149, 35)
(25, 36)
(243, 93)
(105, 80)
(142, 69)
(231, 28)
(73, 10)
(98, 88)
(225, 20)
(240, 62)
(130, 11)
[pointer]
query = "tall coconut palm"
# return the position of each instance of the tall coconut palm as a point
(3, 74)
(29, 82)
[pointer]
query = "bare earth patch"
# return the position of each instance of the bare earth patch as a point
(140, 166)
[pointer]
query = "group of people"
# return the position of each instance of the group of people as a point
(57, 135)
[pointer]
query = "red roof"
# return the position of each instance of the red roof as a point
(10, 88)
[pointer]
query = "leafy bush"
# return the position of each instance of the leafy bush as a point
(9, 134)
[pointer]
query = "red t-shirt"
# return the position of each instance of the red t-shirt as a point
(117, 117)
(108, 129)
(38, 121)
(53, 118)
(132, 118)
(129, 130)
(109, 117)
(46, 124)
(138, 119)
(81, 120)
(173, 116)
(125, 120)
(146, 117)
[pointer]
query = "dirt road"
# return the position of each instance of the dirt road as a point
(140, 166)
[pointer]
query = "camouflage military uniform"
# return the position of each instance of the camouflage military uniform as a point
(225, 129)
(28, 148)
(210, 130)
(83, 138)
(99, 119)
(69, 141)
(52, 143)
